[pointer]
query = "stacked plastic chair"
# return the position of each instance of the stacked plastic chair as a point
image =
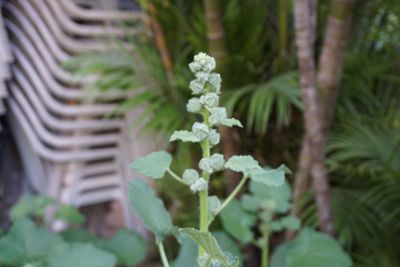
(5, 59)
(69, 149)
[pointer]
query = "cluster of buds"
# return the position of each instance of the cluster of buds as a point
(206, 91)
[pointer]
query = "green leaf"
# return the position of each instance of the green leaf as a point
(271, 177)
(232, 122)
(279, 196)
(79, 235)
(184, 136)
(249, 203)
(150, 209)
(25, 243)
(129, 247)
(291, 222)
(80, 255)
(30, 206)
(210, 245)
(229, 245)
(237, 222)
(244, 164)
(311, 249)
(187, 255)
(153, 165)
(69, 214)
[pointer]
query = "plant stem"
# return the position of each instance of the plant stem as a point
(233, 194)
(264, 252)
(162, 254)
(175, 176)
(205, 146)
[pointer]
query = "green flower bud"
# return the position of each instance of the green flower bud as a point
(214, 137)
(190, 176)
(194, 105)
(214, 79)
(217, 162)
(199, 185)
(210, 100)
(205, 165)
(197, 86)
(200, 130)
(213, 204)
(207, 63)
(202, 76)
(218, 115)
(195, 67)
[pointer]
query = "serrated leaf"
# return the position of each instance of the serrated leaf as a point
(232, 122)
(69, 214)
(271, 177)
(228, 244)
(311, 249)
(81, 255)
(25, 243)
(129, 247)
(237, 222)
(153, 165)
(244, 164)
(210, 245)
(30, 206)
(150, 209)
(184, 136)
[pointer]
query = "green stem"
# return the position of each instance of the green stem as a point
(175, 176)
(264, 252)
(233, 194)
(162, 254)
(205, 146)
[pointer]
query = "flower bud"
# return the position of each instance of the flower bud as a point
(214, 137)
(190, 176)
(214, 79)
(213, 204)
(205, 165)
(195, 67)
(194, 105)
(197, 86)
(218, 115)
(199, 185)
(210, 100)
(217, 162)
(202, 76)
(207, 63)
(200, 130)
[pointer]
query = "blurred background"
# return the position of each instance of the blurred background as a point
(87, 86)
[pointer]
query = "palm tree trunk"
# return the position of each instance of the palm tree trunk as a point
(216, 48)
(312, 111)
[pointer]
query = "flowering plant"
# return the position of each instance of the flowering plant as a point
(206, 90)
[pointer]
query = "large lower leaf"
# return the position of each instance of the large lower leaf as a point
(81, 255)
(30, 206)
(129, 247)
(27, 244)
(153, 165)
(210, 245)
(150, 209)
(279, 196)
(238, 222)
(311, 249)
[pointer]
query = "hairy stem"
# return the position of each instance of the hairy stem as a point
(175, 176)
(162, 254)
(205, 146)
(233, 194)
